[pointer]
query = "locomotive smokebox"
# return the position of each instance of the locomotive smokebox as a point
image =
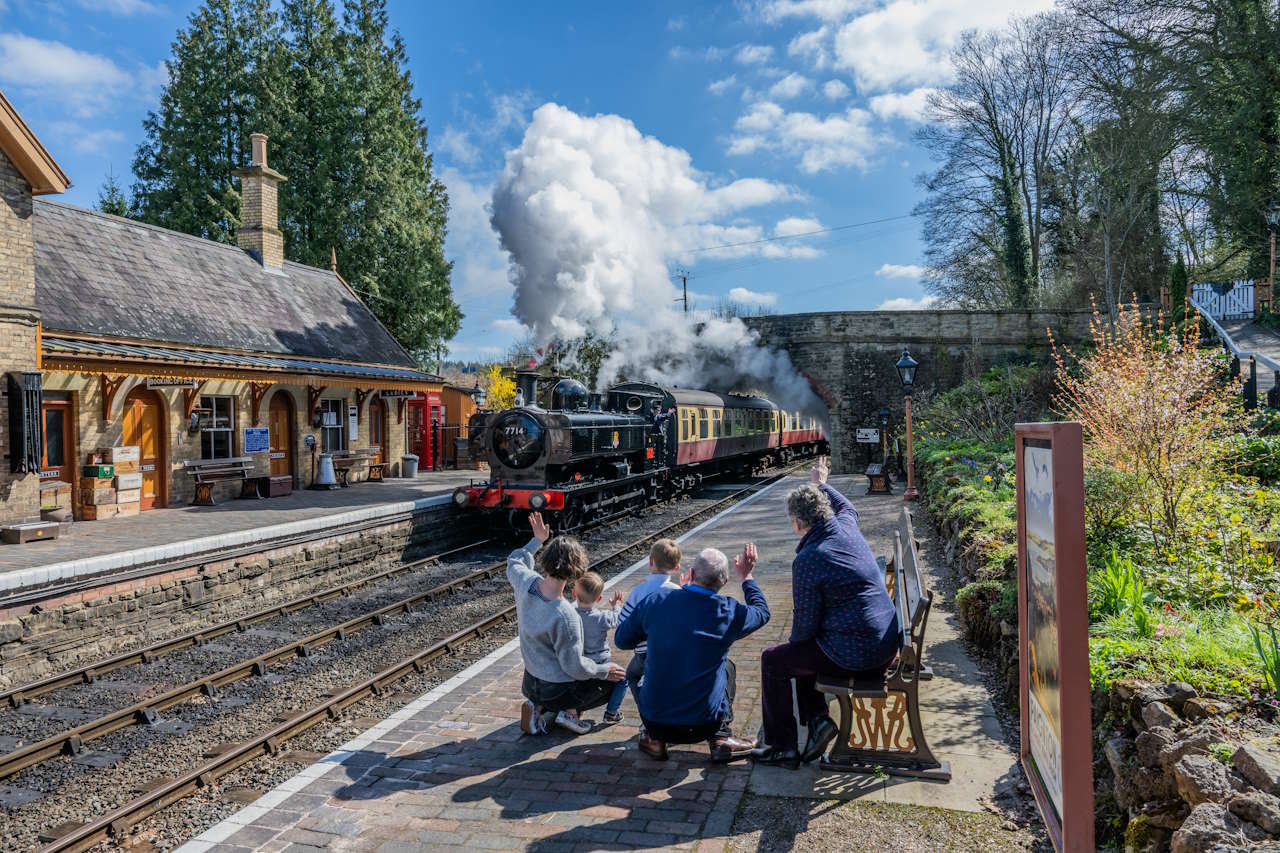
(527, 385)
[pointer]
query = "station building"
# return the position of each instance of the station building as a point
(187, 348)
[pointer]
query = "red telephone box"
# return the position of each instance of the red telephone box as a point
(426, 417)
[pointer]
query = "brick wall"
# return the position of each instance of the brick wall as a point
(849, 357)
(19, 494)
(63, 632)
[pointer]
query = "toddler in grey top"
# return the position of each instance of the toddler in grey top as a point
(596, 625)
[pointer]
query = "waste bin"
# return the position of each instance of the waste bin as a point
(409, 465)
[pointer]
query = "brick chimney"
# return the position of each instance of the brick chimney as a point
(259, 233)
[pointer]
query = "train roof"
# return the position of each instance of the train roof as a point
(695, 397)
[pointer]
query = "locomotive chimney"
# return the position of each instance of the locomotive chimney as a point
(593, 402)
(527, 385)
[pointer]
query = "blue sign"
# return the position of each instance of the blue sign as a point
(257, 440)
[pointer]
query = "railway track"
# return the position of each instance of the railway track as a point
(117, 823)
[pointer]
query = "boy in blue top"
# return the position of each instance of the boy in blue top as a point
(664, 561)
(687, 692)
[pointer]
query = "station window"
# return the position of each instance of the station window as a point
(215, 436)
(331, 432)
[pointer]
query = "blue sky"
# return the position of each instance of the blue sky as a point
(817, 99)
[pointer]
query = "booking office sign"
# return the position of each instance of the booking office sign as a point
(1053, 630)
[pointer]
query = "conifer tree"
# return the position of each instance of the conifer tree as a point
(111, 198)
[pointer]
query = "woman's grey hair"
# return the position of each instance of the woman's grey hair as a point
(809, 506)
(710, 569)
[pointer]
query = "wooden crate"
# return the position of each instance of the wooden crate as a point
(97, 497)
(126, 467)
(128, 509)
(128, 481)
(102, 471)
(97, 513)
(128, 496)
(90, 483)
(124, 453)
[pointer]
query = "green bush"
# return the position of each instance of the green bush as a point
(1254, 456)
(975, 604)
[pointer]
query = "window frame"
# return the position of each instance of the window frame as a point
(704, 424)
(341, 428)
(209, 432)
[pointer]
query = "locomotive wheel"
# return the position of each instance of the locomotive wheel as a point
(570, 520)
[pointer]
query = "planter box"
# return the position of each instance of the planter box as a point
(128, 509)
(128, 496)
(32, 531)
(101, 471)
(128, 481)
(97, 497)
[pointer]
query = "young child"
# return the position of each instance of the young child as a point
(664, 561)
(596, 624)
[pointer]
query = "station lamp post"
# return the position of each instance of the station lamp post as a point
(1273, 224)
(479, 395)
(907, 373)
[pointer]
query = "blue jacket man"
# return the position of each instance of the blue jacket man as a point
(689, 683)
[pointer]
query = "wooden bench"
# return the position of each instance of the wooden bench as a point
(880, 726)
(206, 472)
(345, 461)
(878, 480)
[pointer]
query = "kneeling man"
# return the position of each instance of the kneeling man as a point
(689, 682)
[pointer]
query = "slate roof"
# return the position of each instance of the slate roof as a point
(102, 275)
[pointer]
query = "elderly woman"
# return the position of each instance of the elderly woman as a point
(844, 623)
(559, 681)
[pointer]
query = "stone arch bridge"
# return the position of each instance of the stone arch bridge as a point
(849, 356)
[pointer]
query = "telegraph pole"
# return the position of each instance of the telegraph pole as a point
(684, 284)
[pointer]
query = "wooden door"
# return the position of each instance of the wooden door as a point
(144, 426)
(59, 453)
(378, 429)
(280, 425)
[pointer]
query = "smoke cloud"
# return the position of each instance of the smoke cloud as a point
(592, 212)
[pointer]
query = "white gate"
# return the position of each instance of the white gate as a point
(1229, 301)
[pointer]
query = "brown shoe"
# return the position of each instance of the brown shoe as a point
(652, 747)
(727, 748)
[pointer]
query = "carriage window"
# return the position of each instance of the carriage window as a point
(704, 424)
(684, 426)
(715, 423)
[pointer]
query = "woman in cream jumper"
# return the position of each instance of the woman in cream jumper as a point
(559, 681)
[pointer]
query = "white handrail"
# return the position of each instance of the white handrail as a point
(1262, 360)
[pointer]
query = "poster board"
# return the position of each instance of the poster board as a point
(1056, 746)
(257, 440)
(867, 435)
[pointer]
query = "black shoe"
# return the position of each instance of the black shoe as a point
(821, 732)
(774, 757)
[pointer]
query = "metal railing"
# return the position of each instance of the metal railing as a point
(1238, 359)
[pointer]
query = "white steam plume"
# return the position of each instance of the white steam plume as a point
(591, 212)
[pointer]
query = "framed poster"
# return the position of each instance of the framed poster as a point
(867, 435)
(257, 440)
(1053, 630)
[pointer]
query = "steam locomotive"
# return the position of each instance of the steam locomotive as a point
(592, 456)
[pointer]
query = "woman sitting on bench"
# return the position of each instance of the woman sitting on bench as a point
(844, 622)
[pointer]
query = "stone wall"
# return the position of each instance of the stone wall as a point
(67, 631)
(19, 493)
(849, 356)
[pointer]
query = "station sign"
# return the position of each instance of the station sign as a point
(397, 395)
(171, 382)
(868, 435)
(353, 421)
(1053, 630)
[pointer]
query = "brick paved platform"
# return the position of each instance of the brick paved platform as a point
(92, 547)
(451, 771)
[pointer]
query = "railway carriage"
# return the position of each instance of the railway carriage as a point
(590, 456)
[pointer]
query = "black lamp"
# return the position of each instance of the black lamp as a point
(1272, 215)
(479, 395)
(907, 369)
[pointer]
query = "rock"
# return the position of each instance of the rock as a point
(1257, 807)
(1138, 785)
(1141, 836)
(1160, 714)
(1201, 707)
(1259, 766)
(1167, 814)
(1119, 752)
(1210, 827)
(10, 630)
(1151, 743)
(1194, 743)
(1202, 779)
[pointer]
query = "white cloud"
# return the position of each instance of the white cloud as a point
(813, 47)
(120, 7)
(480, 264)
(86, 83)
(793, 225)
(508, 325)
(719, 87)
(835, 90)
(909, 106)
(708, 54)
(752, 297)
(457, 144)
(791, 86)
(906, 303)
(676, 24)
(900, 271)
(819, 143)
(96, 141)
(827, 10)
(753, 54)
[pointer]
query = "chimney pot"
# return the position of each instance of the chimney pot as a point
(259, 148)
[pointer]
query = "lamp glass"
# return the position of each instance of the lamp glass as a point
(1272, 215)
(907, 369)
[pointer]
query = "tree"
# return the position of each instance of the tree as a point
(500, 389)
(1178, 288)
(111, 198)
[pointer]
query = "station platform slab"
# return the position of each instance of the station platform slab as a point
(97, 547)
(452, 771)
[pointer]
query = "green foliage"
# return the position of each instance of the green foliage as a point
(975, 606)
(1178, 287)
(1109, 500)
(345, 129)
(1117, 589)
(986, 407)
(111, 198)
(1265, 421)
(1223, 752)
(1254, 456)
(1268, 654)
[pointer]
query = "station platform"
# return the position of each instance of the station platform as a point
(97, 547)
(452, 771)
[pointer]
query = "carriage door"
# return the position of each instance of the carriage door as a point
(280, 428)
(144, 427)
(57, 463)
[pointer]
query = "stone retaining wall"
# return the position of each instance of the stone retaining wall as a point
(70, 630)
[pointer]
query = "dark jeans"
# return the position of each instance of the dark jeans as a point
(567, 695)
(635, 672)
(680, 733)
(805, 662)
